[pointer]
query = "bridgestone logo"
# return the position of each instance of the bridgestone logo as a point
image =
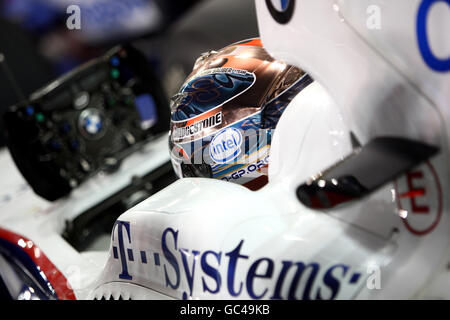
(197, 127)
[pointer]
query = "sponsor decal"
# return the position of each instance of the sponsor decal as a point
(197, 127)
(216, 272)
(419, 199)
(225, 70)
(226, 145)
(254, 167)
(436, 63)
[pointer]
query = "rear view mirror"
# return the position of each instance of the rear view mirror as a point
(369, 167)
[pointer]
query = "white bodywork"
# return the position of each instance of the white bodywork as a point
(382, 86)
(209, 239)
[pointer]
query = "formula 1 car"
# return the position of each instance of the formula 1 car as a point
(357, 201)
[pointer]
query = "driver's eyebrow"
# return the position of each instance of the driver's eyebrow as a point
(369, 167)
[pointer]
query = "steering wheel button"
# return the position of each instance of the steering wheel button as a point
(40, 117)
(74, 145)
(29, 110)
(65, 128)
(115, 61)
(81, 100)
(85, 165)
(115, 74)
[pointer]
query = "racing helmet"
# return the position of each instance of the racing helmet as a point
(224, 115)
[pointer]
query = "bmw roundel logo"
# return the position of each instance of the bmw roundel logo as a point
(281, 10)
(91, 123)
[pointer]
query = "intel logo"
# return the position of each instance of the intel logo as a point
(226, 145)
